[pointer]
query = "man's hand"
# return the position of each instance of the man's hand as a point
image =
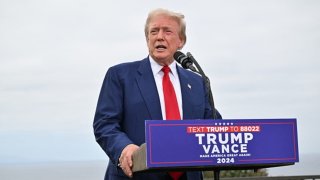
(125, 160)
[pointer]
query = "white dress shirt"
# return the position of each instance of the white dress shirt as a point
(174, 78)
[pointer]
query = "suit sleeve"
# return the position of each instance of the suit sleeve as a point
(108, 117)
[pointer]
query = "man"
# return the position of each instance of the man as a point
(133, 92)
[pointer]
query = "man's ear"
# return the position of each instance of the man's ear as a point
(181, 44)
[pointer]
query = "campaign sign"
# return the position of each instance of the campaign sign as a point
(221, 142)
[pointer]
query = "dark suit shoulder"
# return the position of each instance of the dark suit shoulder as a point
(126, 69)
(190, 74)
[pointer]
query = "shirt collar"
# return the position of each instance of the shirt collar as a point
(156, 68)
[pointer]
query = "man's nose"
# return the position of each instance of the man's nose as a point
(160, 35)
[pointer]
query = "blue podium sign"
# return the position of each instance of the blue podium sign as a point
(189, 143)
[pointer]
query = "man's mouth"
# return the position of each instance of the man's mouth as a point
(161, 47)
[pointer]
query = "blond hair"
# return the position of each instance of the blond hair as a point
(178, 17)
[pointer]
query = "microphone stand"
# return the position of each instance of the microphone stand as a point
(216, 173)
(207, 84)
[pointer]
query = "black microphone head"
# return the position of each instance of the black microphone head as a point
(179, 56)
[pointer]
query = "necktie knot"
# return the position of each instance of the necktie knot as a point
(166, 69)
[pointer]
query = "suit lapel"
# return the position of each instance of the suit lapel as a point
(148, 89)
(186, 92)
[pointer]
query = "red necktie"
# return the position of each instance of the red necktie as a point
(170, 99)
(171, 104)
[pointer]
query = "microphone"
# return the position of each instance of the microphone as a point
(185, 61)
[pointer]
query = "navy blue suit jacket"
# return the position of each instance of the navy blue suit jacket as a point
(128, 97)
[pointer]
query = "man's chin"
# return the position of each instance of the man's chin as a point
(163, 61)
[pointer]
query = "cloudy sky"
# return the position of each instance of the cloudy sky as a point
(262, 57)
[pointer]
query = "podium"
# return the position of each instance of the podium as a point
(202, 145)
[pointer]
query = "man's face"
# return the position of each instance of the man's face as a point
(163, 39)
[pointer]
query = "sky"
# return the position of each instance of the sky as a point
(262, 58)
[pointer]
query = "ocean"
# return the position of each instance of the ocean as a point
(94, 170)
